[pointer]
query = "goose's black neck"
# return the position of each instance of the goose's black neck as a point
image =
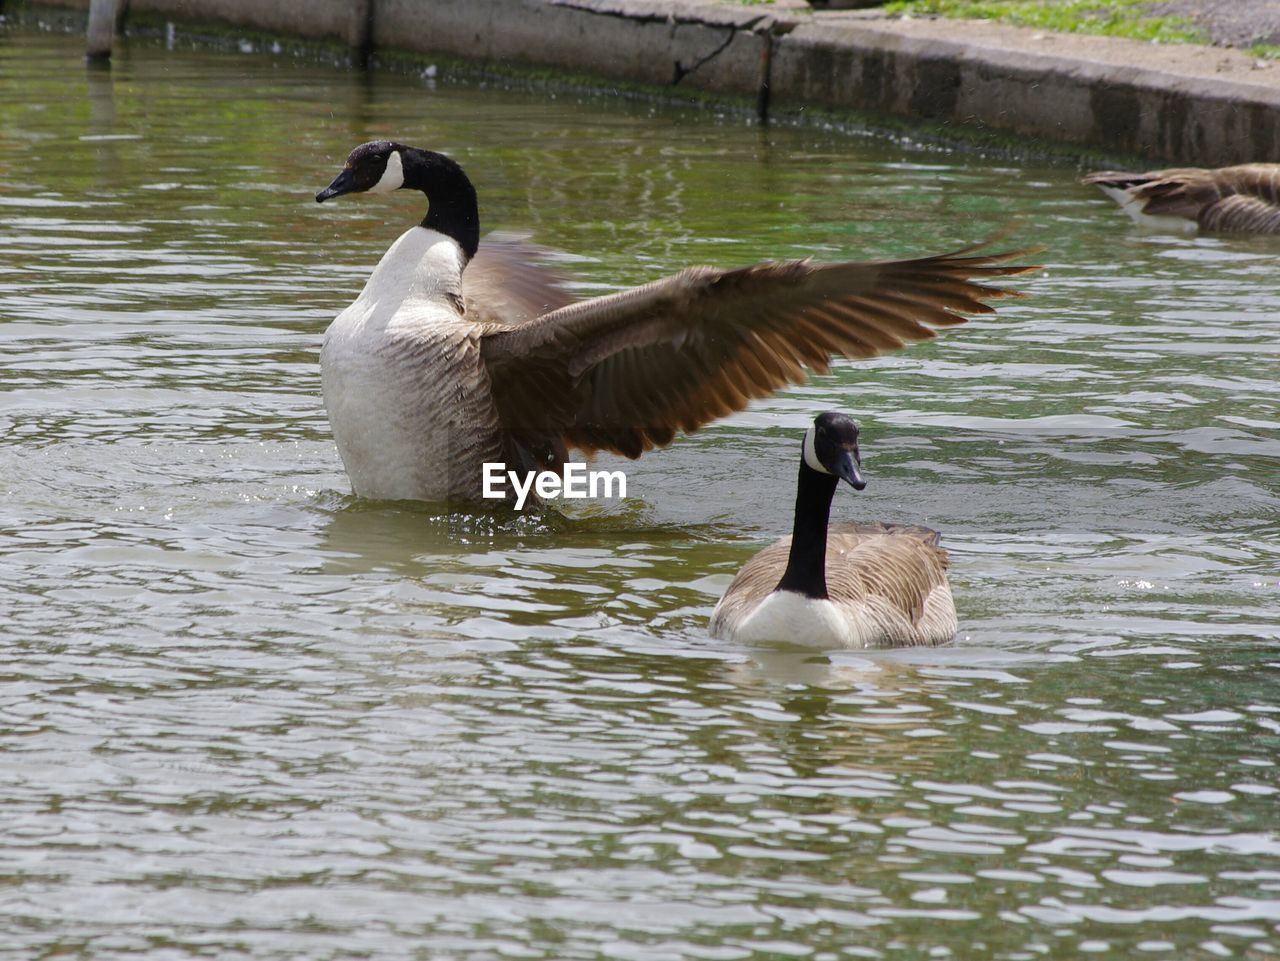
(451, 199)
(806, 572)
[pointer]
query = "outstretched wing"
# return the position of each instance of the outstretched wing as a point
(626, 371)
(510, 281)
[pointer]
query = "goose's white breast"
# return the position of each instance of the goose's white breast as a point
(1136, 209)
(393, 370)
(788, 616)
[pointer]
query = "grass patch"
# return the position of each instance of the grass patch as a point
(1108, 18)
(1265, 51)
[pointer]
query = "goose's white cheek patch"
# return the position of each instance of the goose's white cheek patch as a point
(811, 452)
(392, 178)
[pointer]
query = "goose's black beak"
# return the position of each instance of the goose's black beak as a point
(344, 183)
(846, 468)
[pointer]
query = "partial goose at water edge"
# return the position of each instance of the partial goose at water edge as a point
(1243, 198)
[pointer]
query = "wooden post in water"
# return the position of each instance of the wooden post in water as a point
(102, 29)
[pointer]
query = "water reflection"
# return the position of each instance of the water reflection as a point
(102, 128)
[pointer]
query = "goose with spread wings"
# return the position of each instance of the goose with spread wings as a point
(459, 353)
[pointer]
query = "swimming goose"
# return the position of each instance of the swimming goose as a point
(422, 388)
(1244, 198)
(847, 585)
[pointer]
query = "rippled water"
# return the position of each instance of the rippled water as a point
(246, 716)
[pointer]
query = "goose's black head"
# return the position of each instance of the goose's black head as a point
(382, 166)
(377, 166)
(831, 447)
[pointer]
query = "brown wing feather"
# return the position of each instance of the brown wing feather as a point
(755, 580)
(1244, 213)
(626, 371)
(510, 282)
(898, 563)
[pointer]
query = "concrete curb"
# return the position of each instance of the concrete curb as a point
(1185, 104)
(1193, 105)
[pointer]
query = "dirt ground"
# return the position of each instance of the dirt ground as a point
(1230, 23)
